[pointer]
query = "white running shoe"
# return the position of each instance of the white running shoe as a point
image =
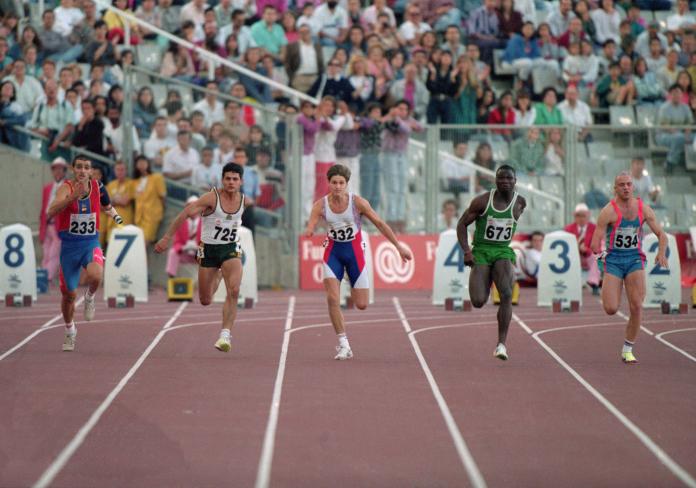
(343, 353)
(223, 344)
(90, 307)
(501, 352)
(69, 342)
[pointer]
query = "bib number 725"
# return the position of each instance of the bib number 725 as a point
(225, 234)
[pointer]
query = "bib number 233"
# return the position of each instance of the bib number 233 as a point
(83, 224)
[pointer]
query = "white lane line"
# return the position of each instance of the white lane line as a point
(263, 475)
(465, 456)
(62, 459)
(656, 450)
(38, 331)
(526, 328)
(669, 344)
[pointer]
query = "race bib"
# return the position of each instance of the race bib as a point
(83, 224)
(343, 233)
(499, 230)
(226, 231)
(626, 238)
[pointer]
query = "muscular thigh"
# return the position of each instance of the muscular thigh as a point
(232, 273)
(480, 281)
(207, 278)
(635, 287)
(503, 273)
(611, 291)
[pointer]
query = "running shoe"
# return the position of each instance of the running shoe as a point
(69, 342)
(343, 353)
(501, 352)
(90, 307)
(628, 358)
(223, 344)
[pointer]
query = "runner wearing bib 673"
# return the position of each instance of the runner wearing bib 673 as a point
(344, 249)
(219, 251)
(492, 259)
(621, 222)
(76, 209)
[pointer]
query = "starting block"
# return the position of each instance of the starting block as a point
(121, 301)
(559, 306)
(17, 300)
(667, 308)
(693, 297)
(457, 305)
(515, 294)
(180, 289)
(245, 302)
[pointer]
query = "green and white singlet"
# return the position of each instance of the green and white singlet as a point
(493, 233)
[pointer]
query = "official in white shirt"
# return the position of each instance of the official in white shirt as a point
(180, 160)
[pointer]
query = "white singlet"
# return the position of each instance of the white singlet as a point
(220, 227)
(343, 227)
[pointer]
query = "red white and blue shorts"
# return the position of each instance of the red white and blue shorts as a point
(75, 255)
(349, 256)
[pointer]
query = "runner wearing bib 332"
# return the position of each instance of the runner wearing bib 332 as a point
(621, 221)
(344, 248)
(76, 210)
(495, 214)
(219, 253)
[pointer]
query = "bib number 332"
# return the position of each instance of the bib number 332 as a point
(498, 230)
(344, 234)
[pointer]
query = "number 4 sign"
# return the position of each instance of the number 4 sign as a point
(17, 261)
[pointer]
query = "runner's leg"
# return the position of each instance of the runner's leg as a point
(635, 293)
(479, 284)
(503, 276)
(232, 274)
(611, 293)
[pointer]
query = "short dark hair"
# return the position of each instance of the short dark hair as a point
(99, 23)
(81, 157)
(234, 168)
(506, 167)
(536, 233)
(338, 170)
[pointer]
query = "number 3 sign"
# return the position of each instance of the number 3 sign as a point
(560, 276)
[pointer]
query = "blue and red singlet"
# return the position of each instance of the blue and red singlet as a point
(624, 243)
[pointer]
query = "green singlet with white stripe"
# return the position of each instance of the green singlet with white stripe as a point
(493, 233)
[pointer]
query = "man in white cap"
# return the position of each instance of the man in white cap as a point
(185, 242)
(583, 230)
(48, 236)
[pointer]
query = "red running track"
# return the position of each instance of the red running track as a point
(146, 401)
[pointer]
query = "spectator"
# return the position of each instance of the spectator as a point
(310, 126)
(484, 30)
(483, 157)
(257, 140)
(277, 74)
(197, 139)
(548, 49)
(269, 35)
(5, 60)
(234, 122)
(332, 120)
(559, 20)
(483, 70)
(667, 75)
(122, 192)
(67, 16)
(178, 63)
(28, 90)
(613, 89)
(636, 22)
(643, 186)
(455, 170)
(116, 26)
(371, 128)
(648, 88)
(179, 161)
(355, 45)
(527, 154)
(211, 108)
(547, 112)
(223, 12)
(332, 83)
(398, 127)
(583, 229)
(522, 52)
(114, 133)
(193, 11)
(48, 234)
(413, 27)
(330, 23)
(144, 112)
(644, 39)
(169, 15)
(554, 154)
(428, 42)
(378, 66)
(237, 29)
(29, 38)
(688, 50)
(684, 81)
(101, 49)
(348, 148)
(607, 57)
(369, 14)
(304, 60)
(250, 188)
(224, 153)
(674, 112)
(574, 66)
(576, 112)
(529, 258)
(509, 19)
(442, 85)
(590, 71)
(270, 181)
(484, 106)
(159, 142)
(411, 89)
(149, 12)
(53, 121)
(11, 114)
(150, 192)
(583, 12)
(575, 33)
(503, 114)
(362, 82)
(55, 45)
(449, 215)
(607, 20)
(453, 42)
(206, 175)
(89, 131)
(656, 59)
(185, 243)
(682, 19)
(525, 113)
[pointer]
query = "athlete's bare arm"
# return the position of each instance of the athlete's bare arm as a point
(314, 217)
(477, 207)
(520, 205)
(606, 217)
(204, 203)
(366, 209)
(655, 226)
(65, 198)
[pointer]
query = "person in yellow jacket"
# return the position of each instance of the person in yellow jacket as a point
(122, 193)
(150, 191)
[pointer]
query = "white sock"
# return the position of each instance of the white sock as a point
(343, 340)
(89, 295)
(627, 347)
(225, 333)
(70, 329)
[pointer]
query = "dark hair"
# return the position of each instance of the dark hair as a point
(549, 89)
(136, 172)
(234, 168)
(99, 23)
(403, 101)
(14, 90)
(506, 167)
(81, 157)
(536, 233)
(338, 170)
(675, 87)
(451, 201)
(608, 42)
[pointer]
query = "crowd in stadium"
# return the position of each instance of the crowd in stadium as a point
(382, 70)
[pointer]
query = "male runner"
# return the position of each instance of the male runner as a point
(345, 249)
(621, 223)
(220, 250)
(76, 211)
(492, 260)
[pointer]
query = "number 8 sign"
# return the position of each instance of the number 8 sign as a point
(560, 276)
(17, 261)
